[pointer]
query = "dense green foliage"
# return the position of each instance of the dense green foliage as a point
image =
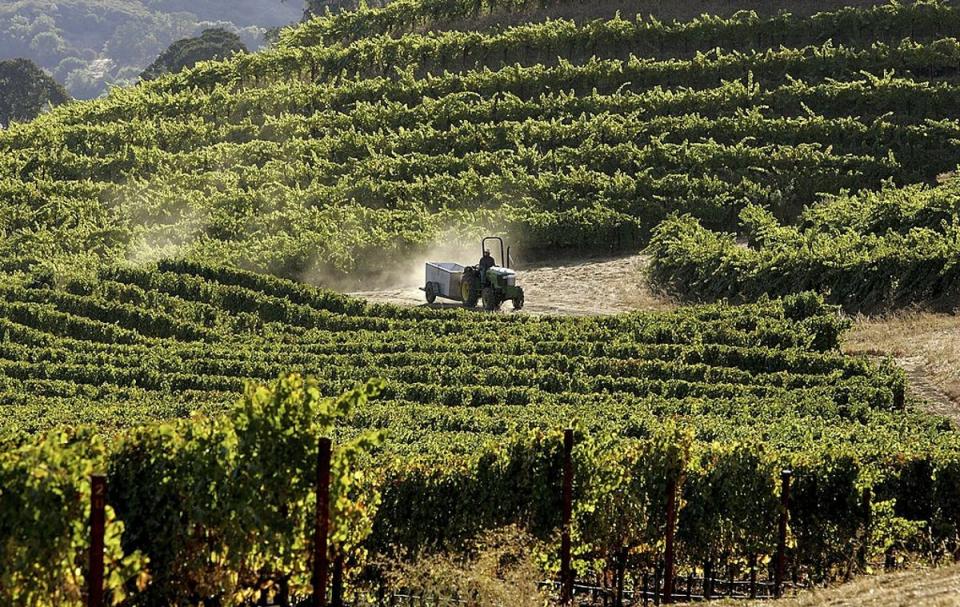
(25, 91)
(201, 317)
(868, 252)
(210, 45)
(182, 499)
(470, 406)
(89, 45)
(330, 156)
(399, 17)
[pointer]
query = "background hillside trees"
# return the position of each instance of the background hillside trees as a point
(26, 90)
(216, 43)
(89, 45)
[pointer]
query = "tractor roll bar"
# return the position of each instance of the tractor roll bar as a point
(483, 247)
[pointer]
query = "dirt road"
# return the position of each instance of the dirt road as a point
(913, 588)
(566, 287)
(926, 345)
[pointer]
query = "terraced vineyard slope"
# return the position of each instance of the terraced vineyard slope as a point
(722, 396)
(357, 137)
(134, 340)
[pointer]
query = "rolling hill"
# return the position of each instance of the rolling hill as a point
(352, 141)
(150, 329)
(137, 372)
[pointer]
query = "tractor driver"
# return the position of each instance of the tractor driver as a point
(486, 262)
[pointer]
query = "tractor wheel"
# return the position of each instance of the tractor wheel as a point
(490, 300)
(431, 293)
(468, 292)
(518, 302)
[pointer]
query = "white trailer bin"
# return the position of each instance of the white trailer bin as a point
(487, 281)
(443, 280)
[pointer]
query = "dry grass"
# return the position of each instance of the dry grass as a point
(498, 578)
(915, 588)
(498, 569)
(926, 344)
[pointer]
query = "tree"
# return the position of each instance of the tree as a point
(88, 81)
(26, 90)
(48, 47)
(212, 44)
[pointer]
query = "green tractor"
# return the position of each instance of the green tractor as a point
(491, 283)
(487, 281)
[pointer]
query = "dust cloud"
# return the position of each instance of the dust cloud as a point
(398, 269)
(153, 238)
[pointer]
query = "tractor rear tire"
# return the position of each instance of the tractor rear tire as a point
(469, 292)
(490, 300)
(431, 293)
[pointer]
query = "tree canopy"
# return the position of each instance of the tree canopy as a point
(26, 90)
(216, 43)
(90, 45)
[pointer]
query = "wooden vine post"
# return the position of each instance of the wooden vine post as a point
(866, 509)
(566, 571)
(321, 525)
(782, 533)
(668, 556)
(98, 504)
(337, 582)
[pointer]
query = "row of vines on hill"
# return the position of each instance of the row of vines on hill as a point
(311, 158)
(871, 251)
(467, 420)
(708, 31)
(183, 501)
(253, 469)
(173, 542)
(544, 43)
(932, 59)
(614, 197)
(716, 397)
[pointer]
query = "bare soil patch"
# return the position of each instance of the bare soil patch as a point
(914, 588)
(926, 345)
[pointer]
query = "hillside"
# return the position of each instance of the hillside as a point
(90, 45)
(403, 141)
(88, 341)
(730, 395)
(162, 319)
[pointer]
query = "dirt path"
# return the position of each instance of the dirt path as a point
(926, 346)
(919, 385)
(916, 588)
(566, 287)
